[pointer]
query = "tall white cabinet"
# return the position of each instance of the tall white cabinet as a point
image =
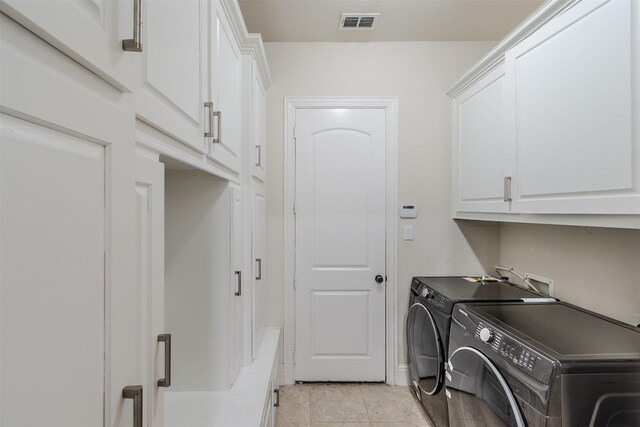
(67, 258)
(545, 126)
(127, 269)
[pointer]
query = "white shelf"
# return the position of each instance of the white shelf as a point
(242, 406)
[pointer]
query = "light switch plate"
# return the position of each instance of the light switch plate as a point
(408, 232)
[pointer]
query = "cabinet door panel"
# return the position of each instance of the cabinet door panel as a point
(226, 79)
(258, 271)
(90, 32)
(149, 197)
(571, 92)
(479, 146)
(52, 281)
(171, 84)
(258, 121)
(236, 301)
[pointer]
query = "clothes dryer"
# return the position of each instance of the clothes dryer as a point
(541, 365)
(431, 304)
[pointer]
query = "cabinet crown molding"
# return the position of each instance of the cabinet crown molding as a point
(495, 57)
(249, 43)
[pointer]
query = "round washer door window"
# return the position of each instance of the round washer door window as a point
(477, 393)
(425, 350)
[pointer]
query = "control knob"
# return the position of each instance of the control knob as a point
(486, 335)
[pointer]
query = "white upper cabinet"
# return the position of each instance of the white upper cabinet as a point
(225, 91)
(172, 68)
(258, 121)
(571, 112)
(555, 130)
(479, 144)
(90, 32)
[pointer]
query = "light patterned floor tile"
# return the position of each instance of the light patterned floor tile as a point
(392, 405)
(337, 403)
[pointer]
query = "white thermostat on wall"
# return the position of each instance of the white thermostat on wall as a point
(408, 211)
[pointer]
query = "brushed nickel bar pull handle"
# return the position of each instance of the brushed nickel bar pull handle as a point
(209, 134)
(135, 44)
(134, 392)
(239, 291)
(277, 402)
(166, 381)
(218, 115)
(507, 188)
(259, 261)
(259, 155)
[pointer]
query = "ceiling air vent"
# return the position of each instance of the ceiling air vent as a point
(359, 21)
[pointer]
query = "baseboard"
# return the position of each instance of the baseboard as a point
(403, 376)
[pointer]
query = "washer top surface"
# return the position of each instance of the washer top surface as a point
(572, 333)
(458, 289)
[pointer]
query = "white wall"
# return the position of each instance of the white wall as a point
(596, 268)
(418, 73)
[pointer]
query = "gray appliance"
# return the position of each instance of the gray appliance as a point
(430, 305)
(541, 365)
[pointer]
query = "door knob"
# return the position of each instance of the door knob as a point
(379, 279)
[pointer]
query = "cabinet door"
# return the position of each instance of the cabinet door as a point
(225, 90)
(258, 276)
(90, 32)
(479, 144)
(67, 209)
(236, 302)
(573, 95)
(149, 199)
(258, 121)
(53, 277)
(171, 83)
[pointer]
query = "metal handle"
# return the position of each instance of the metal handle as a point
(218, 115)
(209, 105)
(134, 392)
(277, 392)
(259, 276)
(507, 188)
(259, 155)
(135, 44)
(166, 381)
(239, 291)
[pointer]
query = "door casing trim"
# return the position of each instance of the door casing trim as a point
(394, 373)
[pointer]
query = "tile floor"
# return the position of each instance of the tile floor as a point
(348, 405)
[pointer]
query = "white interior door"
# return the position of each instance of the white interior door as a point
(149, 192)
(340, 245)
(52, 277)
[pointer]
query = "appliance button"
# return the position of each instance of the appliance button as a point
(486, 335)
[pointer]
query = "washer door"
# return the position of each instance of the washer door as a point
(477, 393)
(425, 351)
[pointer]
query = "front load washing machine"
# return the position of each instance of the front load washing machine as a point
(541, 365)
(431, 303)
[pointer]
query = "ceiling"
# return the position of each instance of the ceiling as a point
(401, 20)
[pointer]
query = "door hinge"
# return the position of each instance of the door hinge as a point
(294, 283)
(294, 358)
(295, 133)
(294, 208)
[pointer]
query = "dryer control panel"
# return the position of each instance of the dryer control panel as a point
(504, 345)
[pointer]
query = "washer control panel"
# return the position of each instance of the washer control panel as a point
(432, 298)
(516, 353)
